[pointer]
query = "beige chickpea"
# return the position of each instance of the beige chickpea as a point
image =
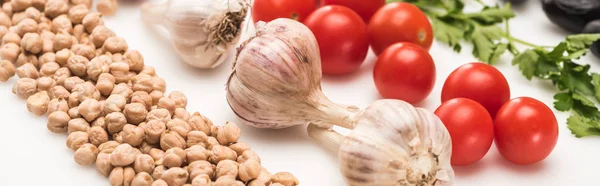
(45, 83)
(20, 5)
(227, 181)
(142, 82)
(123, 155)
(87, 3)
(159, 182)
(10, 51)
(153, 130)
(285, 178)
(32, 42)
(90, 109)
(156, 95)
(229, 133)
(119, 70)
(135, 113)
(103, 164)
(25, 87)
(38, 103)
(95, 68)
(25, 58)
(116, 176)
(171, 139)
(77, 12)
(62, 40)
(142, 179)
(122, 89)
(174, 157)
(91, 20)
(107, 7)
(55, 8)
(115, 122)
(196, 138)
(220, 153)
(46, 58)
(11, 37)
(115, 44)
(100, 34)
(175, 176)
(195, 153)
(3, 29)
(114, 103)
(143, 98)
(214, 131)
(57, 122)
(62, 23)
(86, 154)
(117, 56)
(211, 142)
(27, 25)
(157, 155)
(249, 170)
(77, 139)
(57, 104)
(78, 65)
(200, 167)
(71, 83)
(159, 114)
(48, 69)
(84, 50)
(182, 114)
(97, 135)
(239, 147)
(263, 179)
(179, 126)
(28, 70)
(100, 122)
(78, 124)
(159, 83)
(86, 90)
(148, 70)
(226, 168)
(167, 103)
(105, 84)
(59, 92)
(5, 20)
(200, 123)
(201, 180)
(18, 17)
(42, 27)
(61, 75)
(128, 175)
(48, 45)
(108, 147)
(135, 60)
(7, 8)
(73, 100)
(145, 147)
(248, 155)
(38, 4)
(133, 135)
(158, 172)
(63, 55)
(74, 112)
(7, 70)
(143, 163)
(80, 34)
(179, 98)
(33, 13)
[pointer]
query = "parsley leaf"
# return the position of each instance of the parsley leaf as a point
(582, 126)
(527, 63)
(563, 101)
(447, 33)
(581, 41)
(491, 15)
(485, 40)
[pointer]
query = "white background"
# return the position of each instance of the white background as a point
(31, 155)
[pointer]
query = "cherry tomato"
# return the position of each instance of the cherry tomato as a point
(399, 22)
(480, 82)
(268, 10)
(471, 128)
(526, 130)
(404, 71)
(342, 37)
(365, 9)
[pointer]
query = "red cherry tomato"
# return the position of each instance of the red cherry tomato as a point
(480, 82)
(471, 128)
(268, 10)
(404, 71)
(365, 9)
(526, 131)
(342, 37)
(399, 22)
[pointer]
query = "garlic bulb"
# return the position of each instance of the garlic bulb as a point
(393, 143)
(276, 80)
(202, 31)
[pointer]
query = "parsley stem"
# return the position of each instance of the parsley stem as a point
(517, 40)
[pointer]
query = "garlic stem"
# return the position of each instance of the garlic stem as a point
(154, 12)
(340, 115)
(329, 138)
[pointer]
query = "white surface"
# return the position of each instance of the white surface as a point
(31, 155)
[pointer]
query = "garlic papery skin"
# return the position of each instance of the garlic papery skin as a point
(276, 80)
(393, 143)
(201, 31)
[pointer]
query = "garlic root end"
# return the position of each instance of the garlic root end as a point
(329, 138)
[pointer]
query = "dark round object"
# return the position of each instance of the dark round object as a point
(515, 2)
(594, 27)
(571, 15)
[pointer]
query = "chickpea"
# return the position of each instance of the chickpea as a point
(90, 109)
(84, 50)
(135, 60)
(57, 104)
(116, 176)
(45, 83)
(62, 40)
(108, 147)
(77, 139)
(48, 69)
(78, 124)
(159, 114)
(148, 70)
(103, 164)
(249, 170)
(128, 175)
(175, 176)
(142, 179)
(115, 44)
(159, 182)
(182, 114)
(100, 34)
(135, 113)
(226, 168)
(248, 155)
(61, 75)
(20, 5)
(145, 147)
(115, 122)
(77, 65)
(73, 100)
(201, 180)
(97, 135)
(179, 98)
(32, 42)
(33, 13)
(87, 3)
(62, 23)
(211, 142)
(157, 155)
(11, 37)
(28, 70)
(227, 181)
(7, 8)
(5, 20)
(86, 90)
(59, 92)
(195, 153)
(159, 84)
(71, 83)
(3, 29)
(100, 122)
(201, 167)
(158, 172)
(117, 56)
(77, 12)
(38, 103)
(143, 163)
(239, 147)
(115, 103)
(200, 123)
(105, 84)
(80, 34)
(38, 4)
(196, 138)
(54, 8)
(120, 70)
(214, 131)
(48, 42)
(167, 103)
(25, 87)
(47, 57)
(156, 95)
(179, 126)
(10, 51)
(220, 153)
(43, 26)
(142, 82)
(133, 135)
(143, 98)
(174, 157)
(86, 154)
(153, 130)
(91, 20)
(264, 178)
(7, 70)
(25, 58)
(57, 122)
(123, 155)
(62, 56)
(27, 25)
(171, 139)
(284, 178)
(97, 67)
(107, 7)
(229, 133)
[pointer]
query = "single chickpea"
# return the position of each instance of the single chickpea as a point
(123, 89)
(3, 29)
(27, 25)
(115, 44)
(143, 98)
(90, 109)
(117, 56)
(145, 147)
(174, 157)
(77, 139)
(79, 33)
(57, 104)
(62, 40)
(248, 155)
(115, 122)
(167, 103)
(97, 67)
(54, 8)
(201, 167)
(156, 95)
(103, 164)
(108, 147)
(196, 138)
(87, 3)
(179, 126)
(239, 147)
(33, 13)
(48, 69)
(159, 114)
(128, 175)
(105, 84)
(200, 123)
(62, 56)
(45, 26)
(227, 181)
(153, 130)
(45, 83)
(25, 87)
(11, 37)
(71, 83)
(221, 153)
(7, 70)
(159, 182)
(249, 170)
(285, 178)
(73, 100)
(158, 172)
(135, 60)
(143, 163)
(47, 57)
(5, 20)
(179, 98)
(7, 8)
(77, 12)
(201, 180)
(25, 58)
(100, 122)
(142, 179)
(84, 50)
(226, 168)
(148, 70)
(182, 114)
(32, 42)
(175, 176)
(114, 103)
(120, 71)
(91, 20)
(123, 155)
(157, 154)
(195, 153)
(61, 75)
(135, 113)
(38, 103)
(171, 139)
(20, 5)
(159, 83)
(86, 90)
(78, 124)
(62, 23)
(107, 7)
(86, 154)
(57, 122)
(100, 34)
(133, 135)
(142, 82)
(59, 92)
(229, 133)
(77, 65)
(38, 4)
(28, 70)
(116, 176)
(10, 51)
(214, 131)
(264, 178)
(211, 142)
(97, 135)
